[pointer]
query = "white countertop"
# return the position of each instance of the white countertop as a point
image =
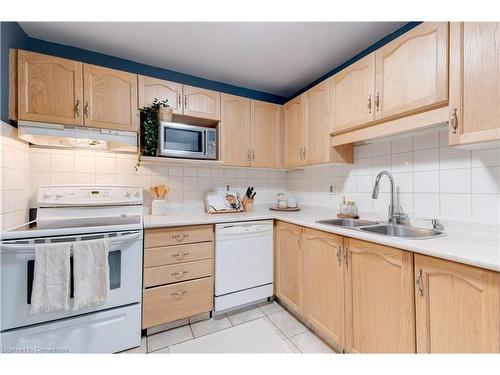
(477, 250)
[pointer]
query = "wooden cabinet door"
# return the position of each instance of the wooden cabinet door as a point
(379, 298)
(295, 131)
(235, 130)
(474, 82)
(457, 307)
(352, 94)
(50, 89)
(324, 283)
(266, 134)
(202, 103)
(288, 263)
(318, 124)
(110, 98)
(412, 71)
(154, 88)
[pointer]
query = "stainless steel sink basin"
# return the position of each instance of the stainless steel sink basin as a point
(348, 223)
(402, 231)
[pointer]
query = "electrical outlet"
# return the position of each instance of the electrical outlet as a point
(333, 189)
(228, 187)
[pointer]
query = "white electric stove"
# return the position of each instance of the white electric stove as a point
(68, 213)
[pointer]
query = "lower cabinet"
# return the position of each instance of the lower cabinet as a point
(324, 284)
(178, 273)
(457, 307)
(288, 265)
(379, 306)
(369, 298)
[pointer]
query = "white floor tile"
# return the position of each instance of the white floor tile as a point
(308, 342)
(206, 327)
(244, 315)
(287, 323)
(170, 337)
(270, 307)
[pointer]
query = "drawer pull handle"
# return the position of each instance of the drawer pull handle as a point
(180, 256)
(179, 274)
(339, 255)
(179, 294)
(180, 237)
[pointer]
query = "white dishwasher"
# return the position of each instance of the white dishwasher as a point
(243, 263)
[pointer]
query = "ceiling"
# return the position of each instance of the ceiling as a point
(274, 57)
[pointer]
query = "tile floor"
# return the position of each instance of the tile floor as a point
(294, 334)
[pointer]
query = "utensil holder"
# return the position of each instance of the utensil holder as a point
(158, 207)
(247, 204)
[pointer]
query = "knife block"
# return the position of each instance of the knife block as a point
(247, 204)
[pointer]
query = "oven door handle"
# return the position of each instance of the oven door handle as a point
(30, 248)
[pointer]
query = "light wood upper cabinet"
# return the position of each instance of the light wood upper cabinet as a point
(50, 89)
(202, 103)
(318, 124)
(154, 88)
(352, 93)
(288, 265)
(235, 130)
(266, 135)
(110, 98)
(324, 283)
(474, 82)
(380, 315)
(295, 131)
(412, 71)
(457, 307)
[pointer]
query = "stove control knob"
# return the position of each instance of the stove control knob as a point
(59, 194)
(127, 194)
(47, 195)
(137, 194)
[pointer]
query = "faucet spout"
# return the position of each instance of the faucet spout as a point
(376, 189)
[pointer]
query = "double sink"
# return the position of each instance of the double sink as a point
(393, 230)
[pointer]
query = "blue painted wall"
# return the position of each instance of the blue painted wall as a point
(11, 36)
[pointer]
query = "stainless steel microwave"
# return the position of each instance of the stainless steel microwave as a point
(187, 141)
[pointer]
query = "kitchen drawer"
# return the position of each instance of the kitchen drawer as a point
(160, 256)
(164, 304)
(177, 272)
(178, 235)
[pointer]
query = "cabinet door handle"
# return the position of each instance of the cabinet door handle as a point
(180, 237)
(346, 258)
(185, 101)
(369, 104)
(377, 101)
(179, 101)
(77, 108)
(86, 109)
(248, 155)
(179, 294)
(180, 256)
(179, 274)
(253, 154)
(339, 255)
(454, 121)
(420, 283)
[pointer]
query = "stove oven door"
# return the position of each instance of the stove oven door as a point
(18, 264)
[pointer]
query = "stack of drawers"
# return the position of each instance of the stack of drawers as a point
(178, 269)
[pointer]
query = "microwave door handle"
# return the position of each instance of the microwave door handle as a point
(204, 143)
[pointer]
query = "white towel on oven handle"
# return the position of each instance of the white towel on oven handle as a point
(51, 280)
(90, 273)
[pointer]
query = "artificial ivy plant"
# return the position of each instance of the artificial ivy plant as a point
(150, 125)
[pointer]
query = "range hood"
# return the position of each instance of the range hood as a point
(69, 136)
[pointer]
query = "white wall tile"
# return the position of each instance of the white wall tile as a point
(403, 182)
(363, 167)
(402, 162)
(452, 158)
(61, 162)
(426, 140)
(381, 163)
(39, 160)
(105, 165)
(403, 144)
(485, 207)
(381, 148)
(426, 182)
(426, 160)
(456, 206)
(455, 181)
(57, 178)
(486, 180)
(486, 158)
(426, 205)
(364, 151)
(364, 184)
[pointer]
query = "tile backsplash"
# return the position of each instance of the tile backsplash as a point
(188, 183)
(432, 179)
(14, 178)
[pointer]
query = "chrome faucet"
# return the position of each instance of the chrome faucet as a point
(393, 217)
